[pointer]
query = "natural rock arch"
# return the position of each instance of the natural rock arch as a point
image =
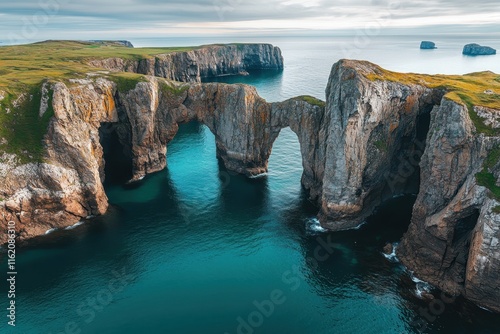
(245, 126)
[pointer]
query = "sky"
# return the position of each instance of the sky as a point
(30, 20)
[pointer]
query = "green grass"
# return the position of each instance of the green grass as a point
(311, 100)
(381, 145)
(478, 121)
(496, 209)
(23, 69)
(486, 178)
(30, 64)
(171, 88)
(22, 127)
(466, 89)
(126, 82)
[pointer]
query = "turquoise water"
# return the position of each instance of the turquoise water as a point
(195, 249)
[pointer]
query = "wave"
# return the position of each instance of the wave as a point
(258, 176)
(392, 257)
(75, 225)
(360, 226)
(50, 231)
(314, 226)
(421, 287)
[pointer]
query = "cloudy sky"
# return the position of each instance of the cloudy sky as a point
(93, 19)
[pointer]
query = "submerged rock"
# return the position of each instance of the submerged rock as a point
(427, 45)
(388, 249)
(478, 50)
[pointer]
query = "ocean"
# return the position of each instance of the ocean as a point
(196, 249)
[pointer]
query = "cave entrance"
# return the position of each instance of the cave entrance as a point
(404, 176)
(419, 145)
(458, 254)
(118, 165)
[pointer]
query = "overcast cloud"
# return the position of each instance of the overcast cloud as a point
(86, 19)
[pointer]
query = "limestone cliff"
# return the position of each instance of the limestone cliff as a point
(373, 132)
(204, 62)
(394, 134)
(67, 186)
(379, 135)
(453, 241)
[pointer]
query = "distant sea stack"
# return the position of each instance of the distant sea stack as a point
(427, 45)
(478, 50)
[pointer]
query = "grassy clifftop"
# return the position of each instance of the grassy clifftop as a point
(474, 89)
(24, 68)
(30, 64)
(474, 85)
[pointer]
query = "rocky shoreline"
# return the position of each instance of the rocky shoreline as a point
(375, 137)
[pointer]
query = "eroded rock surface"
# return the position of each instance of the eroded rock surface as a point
(205, 62)
(69, 185)
(373, 139)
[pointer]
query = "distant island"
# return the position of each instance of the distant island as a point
(478, 50)
(428, 45)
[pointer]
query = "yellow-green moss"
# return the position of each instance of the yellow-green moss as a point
(127, 81)
(173, 89)
(466, 89)
(311, 100)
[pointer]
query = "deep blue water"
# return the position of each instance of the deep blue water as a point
(199, 250)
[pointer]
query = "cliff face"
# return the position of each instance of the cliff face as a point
(453, 240)
(376, 138)
(373, 139)
(205, 62)
(387, 138)
(67, 187)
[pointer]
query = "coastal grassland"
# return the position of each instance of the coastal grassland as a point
(469, 89)
(30, 64)
(22, 129)
(486, 177)
(126, 81)
(171, 88)
(24, 68)
(311, 100)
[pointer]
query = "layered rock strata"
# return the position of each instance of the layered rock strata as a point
(373, 139)
(205, 62)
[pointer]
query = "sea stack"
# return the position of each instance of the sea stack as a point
(427, 45)
(478, 50)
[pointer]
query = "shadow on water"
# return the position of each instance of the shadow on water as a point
(239, 193)
(357, 254)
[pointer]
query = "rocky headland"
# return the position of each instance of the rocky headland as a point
(378, 135)
(204, 62)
